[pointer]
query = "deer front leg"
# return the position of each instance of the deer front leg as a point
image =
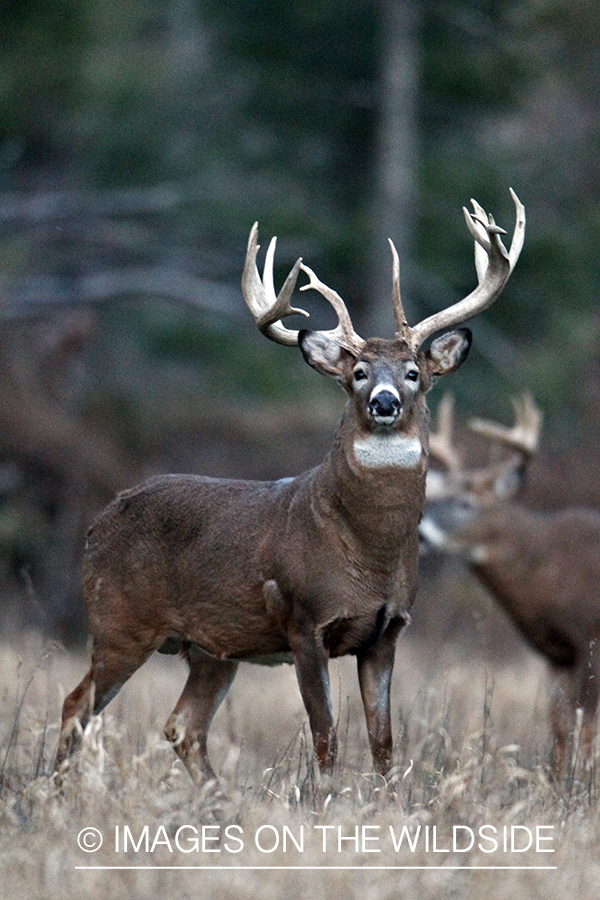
(562, 721)
(311, 660)
(375, 667)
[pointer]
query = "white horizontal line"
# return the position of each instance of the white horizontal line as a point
(316, 868)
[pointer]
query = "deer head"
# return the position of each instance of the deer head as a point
(458, 498)
(384, 378)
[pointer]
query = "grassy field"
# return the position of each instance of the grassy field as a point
(470, 777)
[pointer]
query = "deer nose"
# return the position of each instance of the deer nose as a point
(384, 407)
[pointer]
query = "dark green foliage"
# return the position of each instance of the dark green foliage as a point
(272, 111)
(171, 125)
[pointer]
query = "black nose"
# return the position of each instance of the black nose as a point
(384, 404)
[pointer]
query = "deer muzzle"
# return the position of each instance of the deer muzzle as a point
(384, 405)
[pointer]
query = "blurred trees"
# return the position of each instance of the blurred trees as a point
(140, 140)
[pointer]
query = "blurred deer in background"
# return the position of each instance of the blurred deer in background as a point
(297, 570)
(542, 568)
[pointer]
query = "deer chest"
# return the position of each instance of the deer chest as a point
(354, 634)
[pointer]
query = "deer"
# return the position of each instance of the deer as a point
(542, 568)
(296, 570)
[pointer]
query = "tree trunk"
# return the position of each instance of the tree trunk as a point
(393, 214)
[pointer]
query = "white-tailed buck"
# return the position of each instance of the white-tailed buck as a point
(542, 568)
(297, 570)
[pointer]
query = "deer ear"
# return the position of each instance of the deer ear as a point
(508, 484)
(448, 352)
(323, 353)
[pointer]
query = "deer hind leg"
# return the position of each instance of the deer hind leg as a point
(562, 720)
(110, 669)
(187, 729)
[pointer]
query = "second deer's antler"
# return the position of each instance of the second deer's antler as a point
(522, 437)
(500, 478)
(441, 442)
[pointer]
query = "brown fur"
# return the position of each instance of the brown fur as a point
(543, 569)
(302, 569)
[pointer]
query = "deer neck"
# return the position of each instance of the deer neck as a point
(504, 553)
(375, 482)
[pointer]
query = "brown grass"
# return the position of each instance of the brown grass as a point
(471, 750)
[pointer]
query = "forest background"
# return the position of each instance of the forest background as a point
(139, 141)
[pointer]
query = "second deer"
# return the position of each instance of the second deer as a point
(543, 569)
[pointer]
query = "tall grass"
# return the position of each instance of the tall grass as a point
(472, 745)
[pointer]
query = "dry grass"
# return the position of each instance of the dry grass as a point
(471, 748)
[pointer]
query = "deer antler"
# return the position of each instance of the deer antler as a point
(404, 330)
(269, 309)
(493, 263)
(344, 332)
(441, 444)
(523, 436)
(502, 479)
(498, 478)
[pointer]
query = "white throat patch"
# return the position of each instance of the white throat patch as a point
(383, 450)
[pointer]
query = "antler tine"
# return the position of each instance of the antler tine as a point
(266, 307)
(493, 271)
(441, 444)
(523, 436)
(481, 259)
(344, 332)
(403, 326)
(516, 245)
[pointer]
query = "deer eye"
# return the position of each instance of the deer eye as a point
(359, 374)
(412, 375)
